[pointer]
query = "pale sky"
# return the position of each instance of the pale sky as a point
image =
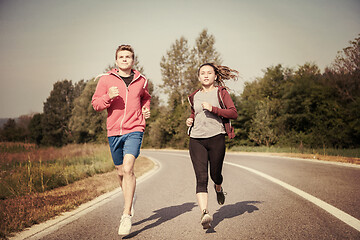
(44, 41)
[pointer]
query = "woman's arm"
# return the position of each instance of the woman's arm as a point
(230, 111)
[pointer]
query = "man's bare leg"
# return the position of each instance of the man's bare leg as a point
(128, 182)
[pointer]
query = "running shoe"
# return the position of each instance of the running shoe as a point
(125, 225)
(206, 219)
(220, 196)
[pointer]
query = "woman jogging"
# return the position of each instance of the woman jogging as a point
(209, 122)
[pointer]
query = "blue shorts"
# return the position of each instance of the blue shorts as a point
(125, 144)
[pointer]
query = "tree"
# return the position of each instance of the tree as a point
(35, 129)
(305, 107)
(297, 103)
(79, 87)
(57, 112)
(86, 124)
(16, 130)
(344, 76)
(203, 52)
(261, 100)
(344, 73)
(262, 131)
(173, 69)
(158, 130)
(290, 108)
(10, 132)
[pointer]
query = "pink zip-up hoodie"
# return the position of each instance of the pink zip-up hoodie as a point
(124, 112)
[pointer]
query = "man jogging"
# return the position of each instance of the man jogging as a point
(124, 93)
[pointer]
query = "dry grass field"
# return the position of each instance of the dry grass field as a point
(33, 198)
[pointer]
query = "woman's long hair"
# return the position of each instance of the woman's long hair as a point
(222, 73)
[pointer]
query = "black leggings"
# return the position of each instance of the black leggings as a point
(202, 151)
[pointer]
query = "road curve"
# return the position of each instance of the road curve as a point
(257, 205)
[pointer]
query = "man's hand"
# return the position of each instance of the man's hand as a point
(189, 122)
(113, 92)
(145, 112)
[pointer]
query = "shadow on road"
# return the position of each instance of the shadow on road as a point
(162, 215)
(231, 211)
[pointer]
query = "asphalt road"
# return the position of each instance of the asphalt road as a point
(267, 198)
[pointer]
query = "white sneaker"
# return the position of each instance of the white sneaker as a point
(206, 219)
(132, 205)
(125, 225)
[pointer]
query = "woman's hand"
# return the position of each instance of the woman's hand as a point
(189, 122)
(207, 106)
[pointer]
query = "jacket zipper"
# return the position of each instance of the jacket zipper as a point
(122, 121)
(126, 98)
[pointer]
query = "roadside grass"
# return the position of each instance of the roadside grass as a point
(40, 183)
(34, 170)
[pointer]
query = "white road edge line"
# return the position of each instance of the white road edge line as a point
(343, 164)
(40, 230)
(341, 215)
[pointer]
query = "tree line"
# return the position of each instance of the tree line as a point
(285, 107)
